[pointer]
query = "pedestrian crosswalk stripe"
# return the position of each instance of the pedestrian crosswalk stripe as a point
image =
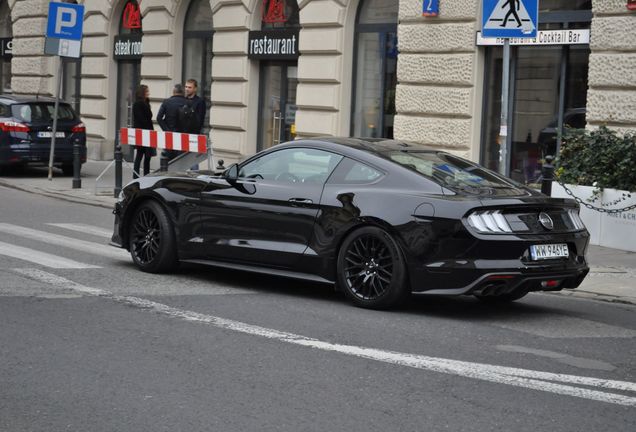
(41, 258)
(84, 228)
(68, 242)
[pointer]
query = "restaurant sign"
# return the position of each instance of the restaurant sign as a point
(128, 47)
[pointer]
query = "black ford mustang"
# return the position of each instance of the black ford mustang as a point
(380, 218)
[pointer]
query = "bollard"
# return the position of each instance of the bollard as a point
(118, 158)
(77, 165)
(547, 173)
(163, 162)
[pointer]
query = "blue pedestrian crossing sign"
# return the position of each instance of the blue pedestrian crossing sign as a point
(510, 18)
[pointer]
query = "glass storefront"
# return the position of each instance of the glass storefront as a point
(375, 76)
(548, 92)
(197, 52)
(278, 102)
(128, 74)
(71, 84)
(278, 76)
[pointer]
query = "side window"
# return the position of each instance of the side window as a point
(4, 111)
(295, 165)
(354, 172)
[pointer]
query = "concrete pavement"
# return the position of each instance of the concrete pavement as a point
(612, 272)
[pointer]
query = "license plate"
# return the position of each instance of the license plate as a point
(50, 134)
(549, 251)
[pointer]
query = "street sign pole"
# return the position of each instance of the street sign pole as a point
(503, 127)
(63, 39)
(60, 70)
(507, 19)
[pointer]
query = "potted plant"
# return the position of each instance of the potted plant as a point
(598, 168)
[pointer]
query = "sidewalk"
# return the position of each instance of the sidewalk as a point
(612, 274)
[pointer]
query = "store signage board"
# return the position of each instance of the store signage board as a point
(544, 37)
(273, 45)
(430, 8)
(510, 18)
(128, 47)
(6, 47)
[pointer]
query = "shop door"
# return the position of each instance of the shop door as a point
(277, 105)
(128, 76)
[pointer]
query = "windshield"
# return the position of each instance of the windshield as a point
(41, 112)
(455, 173)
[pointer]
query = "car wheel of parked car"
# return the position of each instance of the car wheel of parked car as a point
(152, 239)
(503, 298)
(371, 269)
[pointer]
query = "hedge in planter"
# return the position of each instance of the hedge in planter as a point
(599, 158)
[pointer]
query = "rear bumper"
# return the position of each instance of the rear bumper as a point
(507, 280)
(502, 267)
(36, 154)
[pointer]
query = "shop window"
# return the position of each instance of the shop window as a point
(375, 70)
(5, 38)
(548, 93)
(560, 5)
(197, 52)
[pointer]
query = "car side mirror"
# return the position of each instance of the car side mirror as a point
(231, 173)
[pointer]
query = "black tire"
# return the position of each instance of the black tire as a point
(371, 269)
(503, 298)
(152, 240)
(67, 170)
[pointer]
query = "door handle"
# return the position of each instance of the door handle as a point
(300, 201)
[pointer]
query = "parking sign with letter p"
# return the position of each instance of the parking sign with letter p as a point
(65, 21)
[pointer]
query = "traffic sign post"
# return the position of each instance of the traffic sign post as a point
(63, 38)
(508, 19)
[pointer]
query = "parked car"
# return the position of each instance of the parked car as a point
(379, 218)
(26, 129)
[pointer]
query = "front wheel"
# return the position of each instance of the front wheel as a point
(151, 239)
(371, 269)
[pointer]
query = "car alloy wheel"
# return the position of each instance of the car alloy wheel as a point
(371, 269)
(151, 239)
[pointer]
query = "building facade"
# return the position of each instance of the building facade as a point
(275, 70)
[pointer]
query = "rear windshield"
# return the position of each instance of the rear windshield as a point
(455, 173)
(41, 112)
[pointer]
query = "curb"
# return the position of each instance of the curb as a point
(58, 195)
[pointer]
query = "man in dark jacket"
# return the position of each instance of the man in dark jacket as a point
(198, 104)
(168, 115)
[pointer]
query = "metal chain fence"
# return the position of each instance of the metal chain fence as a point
(592, 207)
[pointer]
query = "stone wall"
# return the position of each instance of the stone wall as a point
(436, 101)
(32, 73)
(611, 98)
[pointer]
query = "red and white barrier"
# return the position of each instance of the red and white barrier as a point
(163, 140)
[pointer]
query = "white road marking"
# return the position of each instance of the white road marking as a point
(526, 378)
(41, 258)
(84, 228)
(85, 246)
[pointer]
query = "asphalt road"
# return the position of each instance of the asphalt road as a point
(88, 343)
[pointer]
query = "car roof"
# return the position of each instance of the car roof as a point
(14, 99)
(378, 146)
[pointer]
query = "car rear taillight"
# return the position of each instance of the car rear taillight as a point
(80, 127)
(490, 221)
(576, 219)
(12, 126)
